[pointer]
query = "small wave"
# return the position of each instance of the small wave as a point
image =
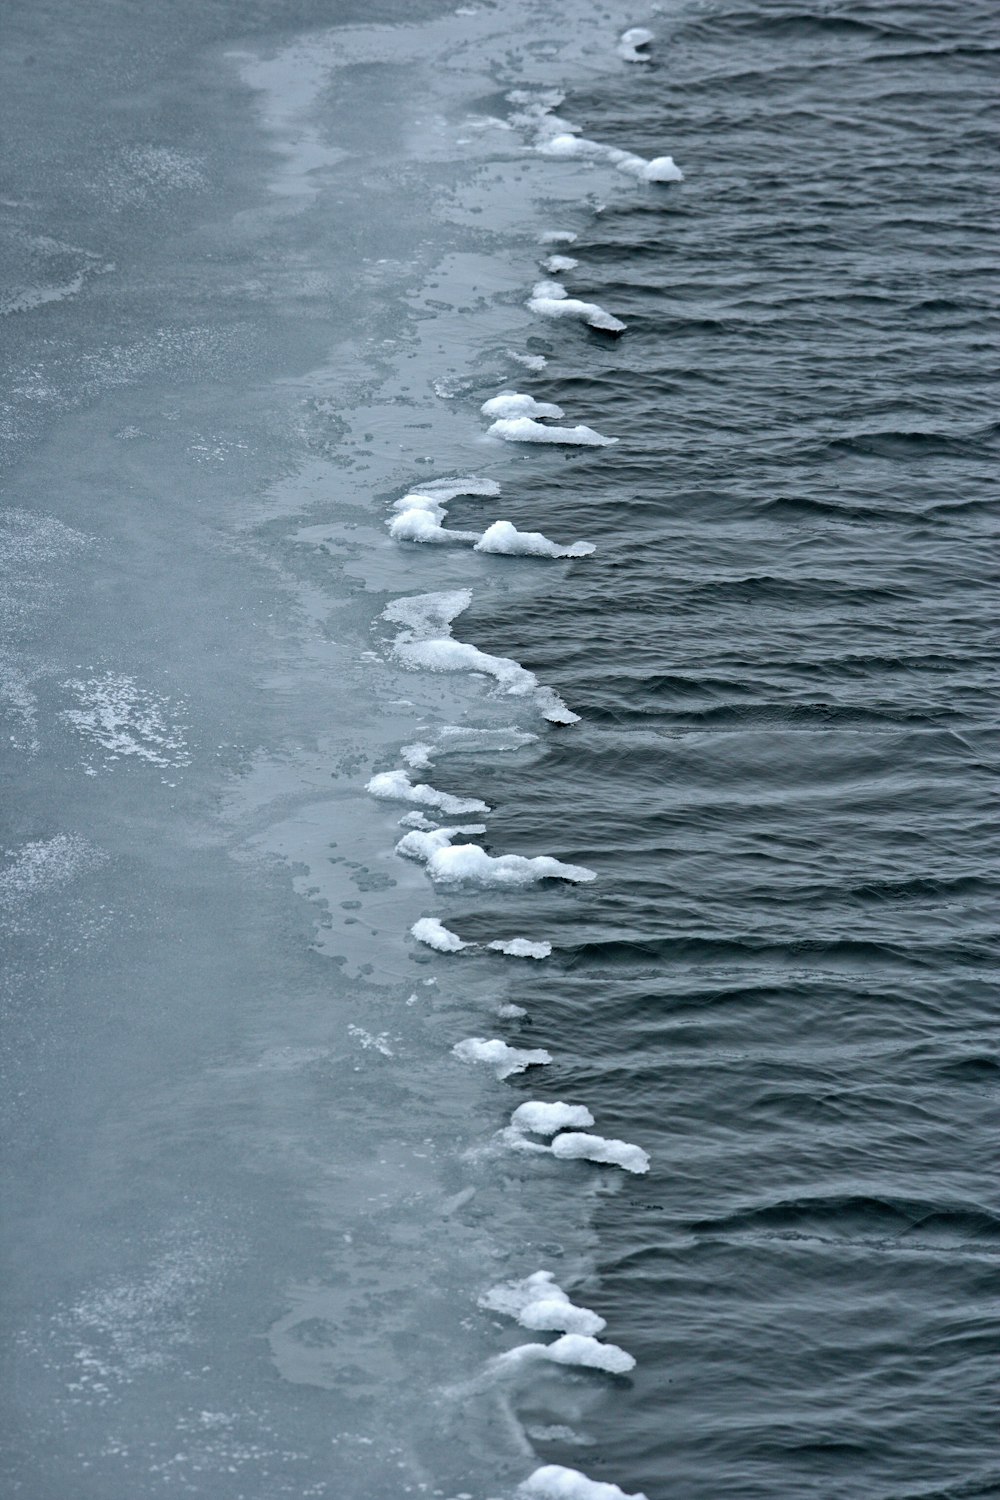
(856, 1216)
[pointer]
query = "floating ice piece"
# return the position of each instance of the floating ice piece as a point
(420, 526)
(555, 1482)
(511, 1012)
(498, 1055)
(515, 404)
(549, 299)
(417, 755)
(631, 41)
(396, 786)
(540, 1304)
(421, 844)
(556, 263)
(573, 1146)
(504, 538)
(545, 1119)
(432, 932)
(660, 169)
(520, 948)
(571, 1349)
(426, 641)
(529, 361)
(450, 863)
(416, 820)
(525, 430)
(559, 237)
(468, 737)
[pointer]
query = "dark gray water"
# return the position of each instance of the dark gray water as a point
(261, 266)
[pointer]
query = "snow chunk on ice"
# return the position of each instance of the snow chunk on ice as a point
(577, 1147)
(529, 361)
(556, 263)
(554, 1482)
(516, 404)
(396, 786)
(502, 537)
(454, 862)
(660, 169)
(520, 948)
(545, 1119)
(432, 932)
(420, 526)
(416, 820)
(525, 430)
(539, 1303)
(426, 615)
(630, 41)
(498, 1055)
(550, 300)
(418, 755)
(571, 1349)
(421, 845)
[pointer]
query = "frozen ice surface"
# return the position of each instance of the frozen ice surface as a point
(554, 1482)
(516, 404)
(448, 864)
(397, 786)
(571, 1349)
(539, 1303)
(520, 948)
(555, 263)
(432, 932)
(505, 1060)
(526, 430)
(545, 1119)
(504, 538)
(630, 42)
(574, 1146)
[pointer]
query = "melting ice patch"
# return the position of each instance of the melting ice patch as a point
(520, 948)
(124, 719)
(397, 786)
(571, 1349)
(496, 1054)
(539, 1303)
(435, 935)
(550, 299)
(554, 1482)
(526, 430)
(426, 642)
(633, 45)
(44, 864)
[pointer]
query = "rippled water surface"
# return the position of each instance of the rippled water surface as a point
(259, 277)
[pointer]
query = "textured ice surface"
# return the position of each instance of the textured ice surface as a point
(539, 1303)
(526, 430)
(545, 1119)
(554, 1482)
(397, 786)
(496, 1054)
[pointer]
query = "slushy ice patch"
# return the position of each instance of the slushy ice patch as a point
(426, 642)
(526, 430)
(545, 1119)
(124, 719)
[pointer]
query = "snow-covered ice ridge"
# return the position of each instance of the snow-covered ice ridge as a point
(520, 419)
(566, 1125)
(539, 1303)
(449, 863)
(425, 641)
(419, 515)
(496, 1054)
(434, 934)
(555, 1482)
(550, 299)
(554, 136)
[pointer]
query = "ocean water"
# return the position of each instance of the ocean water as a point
(260, 268)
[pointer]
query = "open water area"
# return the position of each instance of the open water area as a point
(265, 1233)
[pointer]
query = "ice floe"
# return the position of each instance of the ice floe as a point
(504, 1060)
(575, 1146)
(543, 1118)
(397, 786)
(520, 948)
(549, 299)
(505, 539)
(571, 1349)
(469, 862)
(632, 45)
(516, 404)
(556, 263)
(526, 430)
(435, 935)
(426, 642)
(539, 1303)
(555, 1482)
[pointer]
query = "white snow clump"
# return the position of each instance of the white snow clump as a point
(630, 41)
(432, 932)
(555, 1482)
(572, 1146)
(559, 237)
(555, 263)
(549, 299)
(545, 1119)
(516, 404)
(660, 169)
(525, 430)
(504, 538)
(397, 786)
(498, 1055)
(520, 948)
(540, 1304)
